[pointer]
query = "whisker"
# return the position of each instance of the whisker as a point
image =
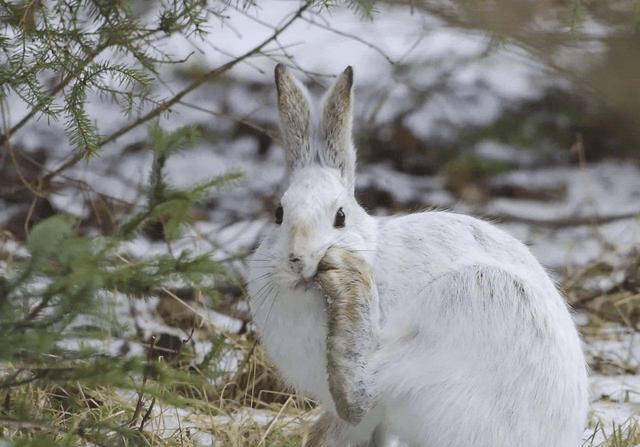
(264, 275)
(259, 292)
(273, 301)
(263, 296)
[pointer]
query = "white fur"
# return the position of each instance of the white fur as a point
(476, 345)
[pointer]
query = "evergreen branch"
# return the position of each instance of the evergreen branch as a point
(198, 191)
(73, 74)
(119, 36)
(78, 123)
(82, 132)
(155, 112)
(156, 183)
(206, 78)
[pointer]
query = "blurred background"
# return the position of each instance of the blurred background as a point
(140, 162)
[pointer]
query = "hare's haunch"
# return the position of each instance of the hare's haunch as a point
(435, 328)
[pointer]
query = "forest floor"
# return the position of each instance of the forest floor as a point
(579, 213)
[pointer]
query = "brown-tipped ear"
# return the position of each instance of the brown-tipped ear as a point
(337, 150)
(293, 107)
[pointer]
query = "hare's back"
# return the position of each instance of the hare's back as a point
(446, 263)
(435, 242)
(472, 320)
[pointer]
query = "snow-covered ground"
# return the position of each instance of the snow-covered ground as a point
(471, 83)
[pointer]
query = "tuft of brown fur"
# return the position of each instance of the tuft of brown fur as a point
(295, 116)
(336, 126)
(348, 284)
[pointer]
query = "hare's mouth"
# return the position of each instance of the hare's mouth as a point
(304, 284)
(300, 283)
(302, 279)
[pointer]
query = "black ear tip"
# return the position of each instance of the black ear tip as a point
(279, 70)
(348, 72)
(280, 73)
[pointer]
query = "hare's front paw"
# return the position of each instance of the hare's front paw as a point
(346, 278)
(347, 282)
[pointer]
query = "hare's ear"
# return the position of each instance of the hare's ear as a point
(337, 115)
(294, 119)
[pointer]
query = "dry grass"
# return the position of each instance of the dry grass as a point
(250, 407)
(247, 410)
(614, 435)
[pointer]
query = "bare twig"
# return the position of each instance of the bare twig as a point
(64, 166)
(352, 37)
(563, 222)
(73, 160)
(34, 189)
(242, 366)
(6, 405)
(273, 421)
(238, 119)
(14, 423)
(147, 414)
(138, 409)
(162, 107)
(205, 78)
(35, 311)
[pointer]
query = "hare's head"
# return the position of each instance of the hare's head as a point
(318, 209)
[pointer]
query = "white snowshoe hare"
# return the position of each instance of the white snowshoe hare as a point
(434, 328)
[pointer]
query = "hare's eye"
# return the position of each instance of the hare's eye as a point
(339, 221)
(279, 213)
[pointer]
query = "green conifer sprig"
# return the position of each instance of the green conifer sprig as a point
(65, 270)
(56, 53)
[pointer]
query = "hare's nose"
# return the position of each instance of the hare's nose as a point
(296, 263)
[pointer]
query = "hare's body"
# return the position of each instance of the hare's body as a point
(462, 341)
(496, 360)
